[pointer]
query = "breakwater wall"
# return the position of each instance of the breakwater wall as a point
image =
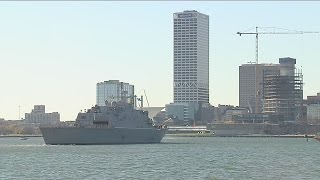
(223, 129)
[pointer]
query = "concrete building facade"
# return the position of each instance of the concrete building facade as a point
(191, 57)
(39, 115)
(313, 99)
(313, 109)
(182, 111)
(190, 65)
(313, 113)
(275, 89)
(250, 84)
(113, 91)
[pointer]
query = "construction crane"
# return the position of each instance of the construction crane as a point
(146, 97)
(270, 30)
(266, 30)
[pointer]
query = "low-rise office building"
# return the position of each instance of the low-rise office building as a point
(313, 113)
(38, 115)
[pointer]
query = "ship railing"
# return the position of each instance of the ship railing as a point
(59, 125)
(161, 126)
(94, 126)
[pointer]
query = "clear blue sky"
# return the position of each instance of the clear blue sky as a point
(54, 53)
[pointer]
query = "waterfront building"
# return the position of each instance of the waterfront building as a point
(184, 112)
(190, 64)
(224, 113)
(283, 93)
(257, 118)
(313, 109)
(272, 89)
(313, 113)
(250, 80)
(313, 99)
(191, 57)
(113, 91)
(39, 115)
(230, 113)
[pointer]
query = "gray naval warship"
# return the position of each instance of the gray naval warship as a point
(114, 123)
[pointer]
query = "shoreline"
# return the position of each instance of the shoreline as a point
(199, 135)
(19, 135)
(242, 136)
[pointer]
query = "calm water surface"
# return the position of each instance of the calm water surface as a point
(175, 158)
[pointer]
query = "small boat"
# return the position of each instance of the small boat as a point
(23, 138)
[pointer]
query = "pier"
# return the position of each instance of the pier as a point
(270, 136)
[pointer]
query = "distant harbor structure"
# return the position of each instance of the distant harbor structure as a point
(39, 115)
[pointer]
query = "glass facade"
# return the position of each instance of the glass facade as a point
(113, 91)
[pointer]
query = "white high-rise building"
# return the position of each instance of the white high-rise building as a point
(113, 91)
(191, 57)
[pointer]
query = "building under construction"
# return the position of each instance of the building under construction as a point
(283, 91)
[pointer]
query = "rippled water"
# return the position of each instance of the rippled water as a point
(175, 158)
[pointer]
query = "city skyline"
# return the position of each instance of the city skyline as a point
(54, 53)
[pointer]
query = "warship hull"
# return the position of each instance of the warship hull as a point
(95, 136)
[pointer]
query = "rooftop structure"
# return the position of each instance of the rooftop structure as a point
(313, 99)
